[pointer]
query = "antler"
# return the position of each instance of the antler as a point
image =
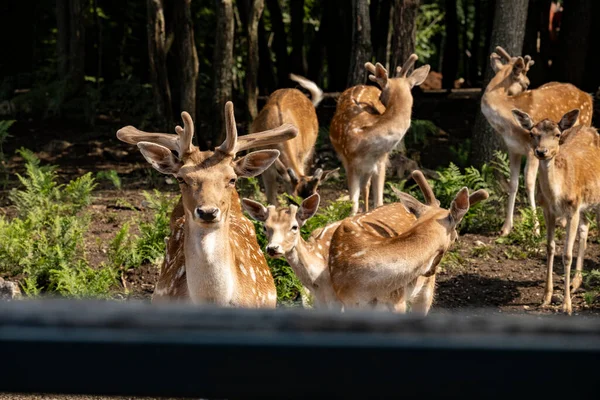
(403, 72)
(181, 143)
(528, 63)
(503, 53)
(425, 188)
(379, 74)
(234, 144)
(477, 196)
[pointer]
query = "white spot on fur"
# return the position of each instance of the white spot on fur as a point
(360, 253)
(252, 275)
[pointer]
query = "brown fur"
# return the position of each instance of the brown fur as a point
(368, 124)
(503, 94)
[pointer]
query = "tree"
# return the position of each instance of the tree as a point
(187, 55)
(508, 32)
(451, 56)
(379, 11)
(361, 42)
(404, 36)
(298, 64)
(254, 14)
(337, 30)
(70, 44)
(223, 69)
(157, 58)
(279, 41)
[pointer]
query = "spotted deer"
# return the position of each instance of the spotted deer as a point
(569, 184)
(504, 93)
(293, 107)
(368, 124)
(376, 269)
(212, 254)
(308, 258)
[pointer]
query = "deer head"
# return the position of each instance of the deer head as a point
(511, 70)
(546, 136)
(306, 186)
(402, 82)
(207, 178)
(282, 225)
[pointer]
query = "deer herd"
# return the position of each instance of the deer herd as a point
(385, 257)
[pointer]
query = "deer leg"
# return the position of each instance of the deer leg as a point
(378, 183)
(354, 189)
(572, 226)
(584, 227)
(424, 298)
(550, 248)
(531, 168)
(397, 301)
(365, 184)
(269, 178)
(515, 166)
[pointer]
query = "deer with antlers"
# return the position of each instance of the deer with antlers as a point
(368, 124)
(291, 106)
(569, 184)
(376, 269)
(212, 254)
(505, 92)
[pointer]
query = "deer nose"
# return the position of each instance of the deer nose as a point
(207, 214)
(274, 250)
(541, 152)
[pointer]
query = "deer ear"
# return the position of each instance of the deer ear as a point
(478, 196)
(255, 163)
(413, 205)
(293, 177)
(523, 119)
(519, 66)
(328, 173)
(308, 208)
(255, 209)
(419, 75)
(568, 120)
(495, 62)
(160, 157)
(460, 205)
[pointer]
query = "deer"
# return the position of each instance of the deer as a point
(371, 270)
(212, 255)
(293, 107)
(307, 258)
(507, 91)
(569, 184)
(369, 123)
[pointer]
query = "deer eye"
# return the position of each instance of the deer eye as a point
(557, 135)
(294, 228)
(232, 181)
(180, 180)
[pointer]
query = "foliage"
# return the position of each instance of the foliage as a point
(420, 129)
(429, 23)
(524, 233)
(112, 176)
(45, 242)
(4, 127)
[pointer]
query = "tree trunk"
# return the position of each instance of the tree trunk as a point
(254, 15)
(267, 81)
(451, 56)
(405, 31)
(474, 68)
(317, 52)
(223, 67)
(379, 11)
(337, 20)
(361, 42)
(157, 58)
(298, 60)
(62, 39)
(536, 28)
(508, 32)
(187, 55)
(77, 10)
(279, 41)
(575, 30)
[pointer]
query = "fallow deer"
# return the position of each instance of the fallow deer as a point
(308, 258)
(212, 254)
(569, 184)
(503, 94)
(369, 123)
(293, 107)
(372, 269)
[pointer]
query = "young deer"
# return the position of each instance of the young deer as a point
(212, 255)
(569, 184)
(503, 94)
(368, 123)
(308, 258)
(293, 107)
(370, 269)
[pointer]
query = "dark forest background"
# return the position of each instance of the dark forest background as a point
(142, 62)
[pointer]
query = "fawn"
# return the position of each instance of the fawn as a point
(368, 124)
(293, 107)
(506, 92)
(569, 184)
(212, 254)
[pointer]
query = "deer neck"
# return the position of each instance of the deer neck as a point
(208, 261)
(395, 121)
(551, 181)
(307, 261)
(496, 105)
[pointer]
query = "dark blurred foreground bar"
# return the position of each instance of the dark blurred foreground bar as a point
(138, 349)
